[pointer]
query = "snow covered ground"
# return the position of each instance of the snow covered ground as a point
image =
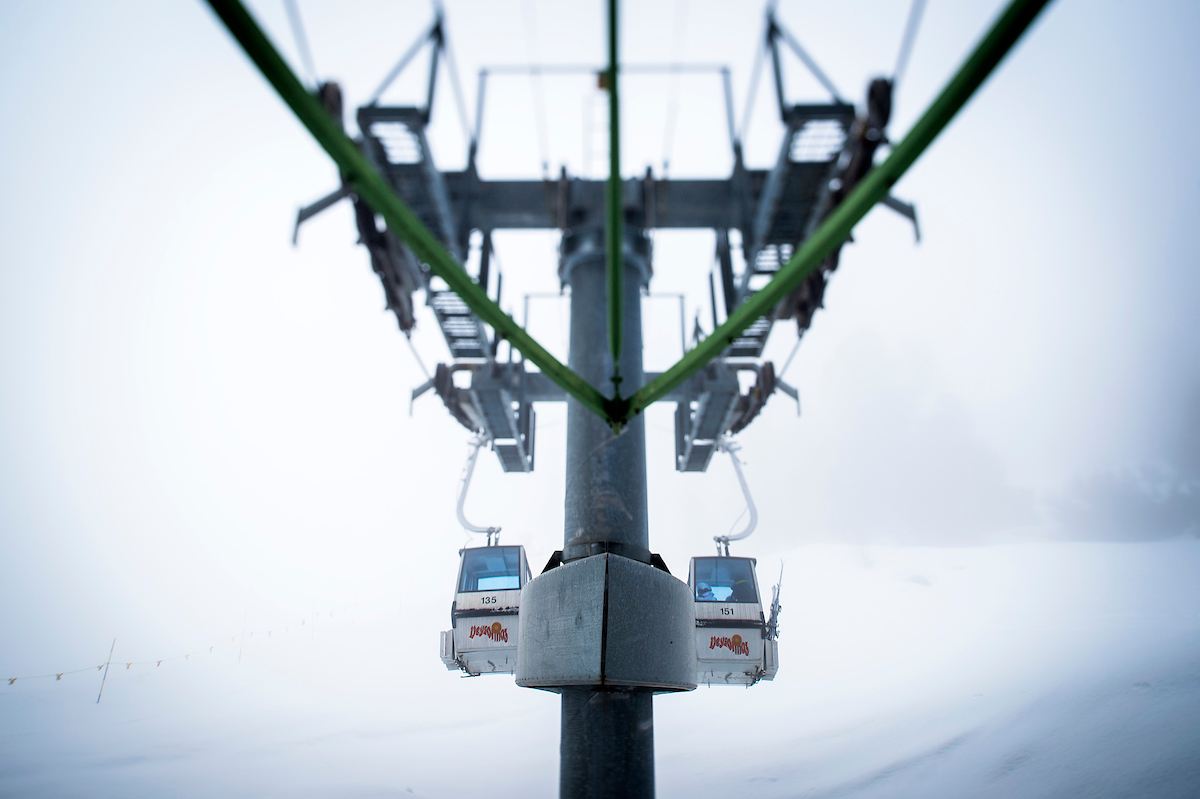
(201, 424)
(1017, 670)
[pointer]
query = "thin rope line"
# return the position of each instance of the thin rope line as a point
(735, 521)
(529, 10)
(458, 92)
(681, 14)
(293, 13)
(755, 72)
(233, 640)
(413, 349)
(906, 44)
(788, 362)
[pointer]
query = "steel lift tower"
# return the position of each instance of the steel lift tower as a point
(605, 624)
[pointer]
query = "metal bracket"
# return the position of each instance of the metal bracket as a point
(906, 210)
(790, 390)
(309, 211)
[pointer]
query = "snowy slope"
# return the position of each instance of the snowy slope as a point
(1020, 670)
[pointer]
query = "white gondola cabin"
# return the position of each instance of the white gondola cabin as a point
(735, 645)
(485, 612)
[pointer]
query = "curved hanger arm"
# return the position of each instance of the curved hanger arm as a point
(468, 470)
(725, 445)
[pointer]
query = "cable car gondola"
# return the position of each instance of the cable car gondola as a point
(736, 644)
(733, 643)
(486, 610)
(482, 638)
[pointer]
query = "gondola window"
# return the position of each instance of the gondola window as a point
(491, 569)
(730, 580)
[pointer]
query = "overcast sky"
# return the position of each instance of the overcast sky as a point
(197, 418)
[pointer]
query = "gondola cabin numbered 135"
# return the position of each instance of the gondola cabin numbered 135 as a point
(486, 611)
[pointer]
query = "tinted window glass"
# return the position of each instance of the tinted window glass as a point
(725, 580)
(491, 569)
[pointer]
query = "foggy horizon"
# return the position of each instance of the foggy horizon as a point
(985, 512)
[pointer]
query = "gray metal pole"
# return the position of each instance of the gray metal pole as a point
(606, 473)
(607, 743)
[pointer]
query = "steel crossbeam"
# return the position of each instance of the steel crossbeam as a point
(368, 184)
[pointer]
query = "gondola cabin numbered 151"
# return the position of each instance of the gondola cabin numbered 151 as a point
(733, 643)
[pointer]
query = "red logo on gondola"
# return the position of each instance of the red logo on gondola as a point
(496, 632)
(735, 644)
